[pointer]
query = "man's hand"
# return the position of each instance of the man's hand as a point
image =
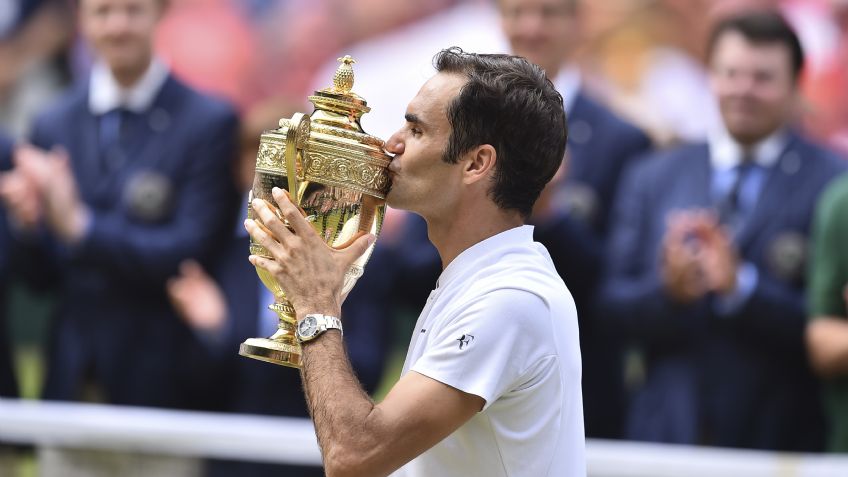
(67, 215)
(681, 269)
(311, 272)
(51, 174)
(21, 198)
(719, 259)
(197, 298)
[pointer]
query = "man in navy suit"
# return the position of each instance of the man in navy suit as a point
(8, 387)
(706, 259)
(137, 180)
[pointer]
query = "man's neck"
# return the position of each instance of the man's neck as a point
(454, 235)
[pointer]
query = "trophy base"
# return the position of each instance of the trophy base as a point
(271, 351)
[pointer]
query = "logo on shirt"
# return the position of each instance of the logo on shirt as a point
(465, 341)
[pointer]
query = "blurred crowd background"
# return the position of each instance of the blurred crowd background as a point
(131, 129)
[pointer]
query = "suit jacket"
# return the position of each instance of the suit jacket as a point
(260, 388)
(740, 380)
(167, 196)
(8, 387)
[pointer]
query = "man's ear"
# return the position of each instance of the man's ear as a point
(480, 163)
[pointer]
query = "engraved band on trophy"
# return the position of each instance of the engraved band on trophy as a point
(337, 174)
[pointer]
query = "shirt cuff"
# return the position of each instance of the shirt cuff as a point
(747, 278)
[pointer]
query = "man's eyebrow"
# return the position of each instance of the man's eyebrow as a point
(412, 118)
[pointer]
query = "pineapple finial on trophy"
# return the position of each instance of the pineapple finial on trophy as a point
(343, 79)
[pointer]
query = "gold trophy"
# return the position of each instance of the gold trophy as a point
(337, 174)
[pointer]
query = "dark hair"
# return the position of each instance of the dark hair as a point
(759, 27)
(509, 104)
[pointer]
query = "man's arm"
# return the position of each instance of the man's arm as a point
(827, 342)
(827, 331)
(361, 438)
(357, 437)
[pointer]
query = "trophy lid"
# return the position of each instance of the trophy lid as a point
(339, 98)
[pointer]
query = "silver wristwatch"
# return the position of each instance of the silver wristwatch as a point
(313, 325)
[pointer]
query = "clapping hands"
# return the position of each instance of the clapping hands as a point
(698, 257)
(41, 188)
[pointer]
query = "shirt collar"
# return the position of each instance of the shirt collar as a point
(105, 94)
(726, 153)
(568, 82)
(514, 236)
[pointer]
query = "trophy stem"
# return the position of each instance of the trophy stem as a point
(280, 348)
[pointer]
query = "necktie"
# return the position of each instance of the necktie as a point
(110, 129)
(111, 152)
(730, 207)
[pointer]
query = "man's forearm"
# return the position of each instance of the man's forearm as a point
(827, 341)
(339, 406)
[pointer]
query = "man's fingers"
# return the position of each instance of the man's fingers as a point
(283, 195)
(271, 266)
(356, 248)
(266, 240)
(23, 153)
(294, 215)
(270, 220)
(349, 241)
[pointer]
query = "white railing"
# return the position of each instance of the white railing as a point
(289, 440)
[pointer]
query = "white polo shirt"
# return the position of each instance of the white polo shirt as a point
(502, 325)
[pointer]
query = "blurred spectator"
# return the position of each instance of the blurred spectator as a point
(137, 179)
(707, 254)
(647, 57)
(33, 33)
(572, 218)
(827, 332)
(8, 386)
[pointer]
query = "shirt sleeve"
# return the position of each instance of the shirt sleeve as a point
(827, 271)
(490, 344)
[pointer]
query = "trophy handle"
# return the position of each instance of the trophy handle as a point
(296, 138)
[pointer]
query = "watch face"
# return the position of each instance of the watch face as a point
(308, 327)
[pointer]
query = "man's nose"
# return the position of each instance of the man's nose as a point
(394, 145)
(117, 22)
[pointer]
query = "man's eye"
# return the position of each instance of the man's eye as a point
(415, 131)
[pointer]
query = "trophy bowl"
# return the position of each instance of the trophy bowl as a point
(337, 174)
